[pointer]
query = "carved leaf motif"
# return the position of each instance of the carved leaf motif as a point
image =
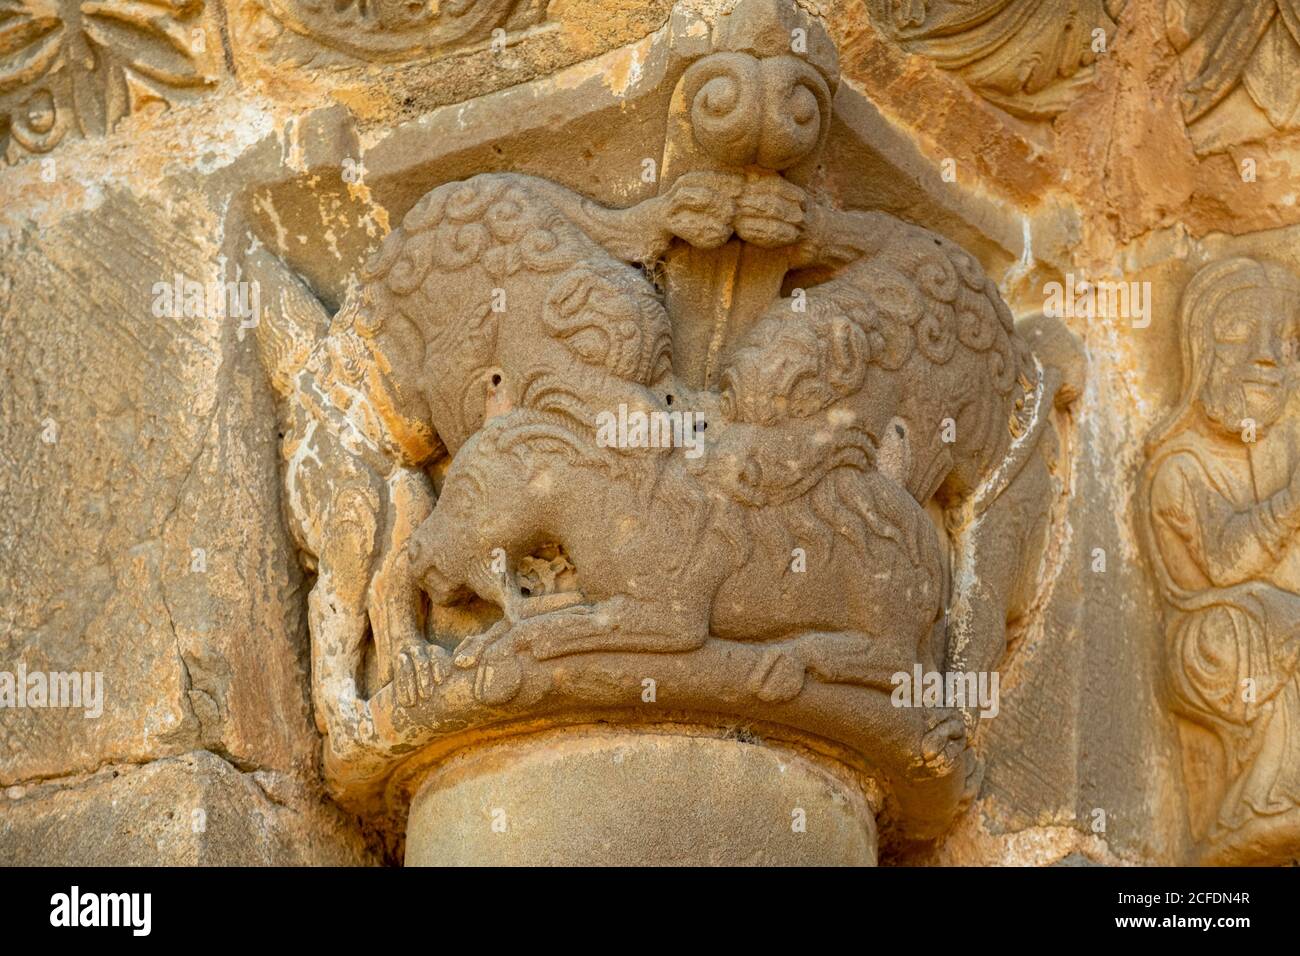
(1031, 57)
(1254, 43)
(1272, 76)
(1222, 46)
(401, 29)
(1289, 11)
(153, 38)
(32, 34)
(87, 64)
(29, 41)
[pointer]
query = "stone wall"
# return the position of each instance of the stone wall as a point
(163, 532)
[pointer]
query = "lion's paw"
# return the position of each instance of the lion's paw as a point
(777, 677)
(944, 742)
(420, 668)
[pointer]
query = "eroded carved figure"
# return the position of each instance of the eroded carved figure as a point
(1222, 492)
(1224, 48)
(869, 483)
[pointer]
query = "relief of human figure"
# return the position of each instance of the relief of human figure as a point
(1222, 492)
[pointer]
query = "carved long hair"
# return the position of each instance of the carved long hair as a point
(1248, 606)
(1203, 299)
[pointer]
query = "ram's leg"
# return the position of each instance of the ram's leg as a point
(396, 605)
(337, 605)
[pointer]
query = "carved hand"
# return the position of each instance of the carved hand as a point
(1285, 504)
(701, 207)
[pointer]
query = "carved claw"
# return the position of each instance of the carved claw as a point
(947, 738)
(420, 669)
(770, 211)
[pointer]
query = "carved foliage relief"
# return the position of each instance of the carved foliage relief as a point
(79, 66)
(401, 29)
(1251, 46)
(1029, 57)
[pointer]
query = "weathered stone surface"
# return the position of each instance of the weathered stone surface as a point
(683, 801)
(141, 527)
(227, 548)
(191, 810)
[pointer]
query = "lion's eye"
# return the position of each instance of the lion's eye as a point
(805, 397)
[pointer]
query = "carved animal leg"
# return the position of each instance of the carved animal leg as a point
(337, 607)
(833, 657)
(396, 608)
(337, 627)
(499, 675)
(619, 624)
(471, 649)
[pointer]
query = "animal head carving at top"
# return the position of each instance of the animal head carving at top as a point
(549, 450)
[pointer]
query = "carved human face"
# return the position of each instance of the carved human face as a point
(1250, 371)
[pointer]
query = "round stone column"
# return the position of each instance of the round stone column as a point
(604, 796)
